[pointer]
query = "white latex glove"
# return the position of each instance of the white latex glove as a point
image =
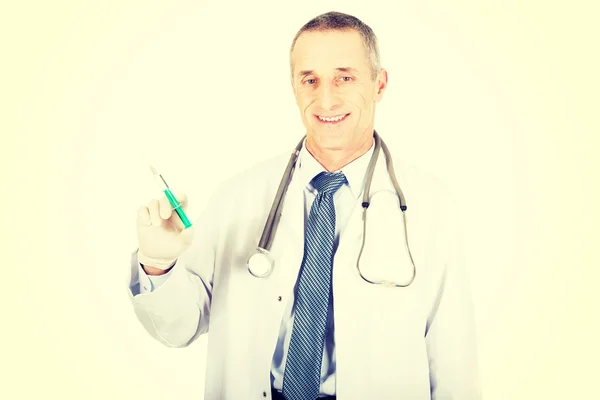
(161, 234)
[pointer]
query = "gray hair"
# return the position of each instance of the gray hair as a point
(339, 21)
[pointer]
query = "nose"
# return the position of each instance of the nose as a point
(327, 96)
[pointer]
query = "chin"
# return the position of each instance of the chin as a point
(329, 140)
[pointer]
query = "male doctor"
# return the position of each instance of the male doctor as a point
(317, 327)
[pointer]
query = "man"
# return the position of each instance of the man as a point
(315, 327)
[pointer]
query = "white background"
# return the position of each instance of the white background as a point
(499, 100)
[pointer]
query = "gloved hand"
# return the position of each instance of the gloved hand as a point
(161, 234)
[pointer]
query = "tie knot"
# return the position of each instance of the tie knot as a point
(328, 182)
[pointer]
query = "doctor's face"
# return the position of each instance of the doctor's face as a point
(334, 89)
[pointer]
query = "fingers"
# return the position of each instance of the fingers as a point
(182, 199)
(143, 216)
(153, 210)
(158, 210)
(175, 220)
(187, 235)
(165, 207)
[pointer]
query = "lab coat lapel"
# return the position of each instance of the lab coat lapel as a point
(272, 298)
(288, 243)
(351, 236)
(381, 178)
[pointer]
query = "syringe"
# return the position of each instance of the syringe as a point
(171, 197)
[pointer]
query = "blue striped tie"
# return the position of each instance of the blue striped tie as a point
(302, 375)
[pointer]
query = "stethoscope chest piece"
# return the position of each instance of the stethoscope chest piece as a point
(260, 264)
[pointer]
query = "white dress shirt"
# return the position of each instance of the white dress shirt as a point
(307, 167)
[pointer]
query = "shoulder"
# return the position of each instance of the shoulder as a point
(255, 179)
(425, 192)
(419, 178)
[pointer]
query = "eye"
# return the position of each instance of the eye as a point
(310, 81)
(346, 78)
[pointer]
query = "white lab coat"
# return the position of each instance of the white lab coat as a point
(412, 343)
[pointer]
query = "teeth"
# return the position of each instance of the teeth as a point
(332, 119)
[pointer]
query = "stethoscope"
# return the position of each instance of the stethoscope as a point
(261, 263)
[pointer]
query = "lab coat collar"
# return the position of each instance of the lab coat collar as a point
(308, 167)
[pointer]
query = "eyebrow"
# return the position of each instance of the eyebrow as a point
(347, 69)
(340, 69)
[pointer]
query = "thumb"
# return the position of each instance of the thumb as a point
(186, 235)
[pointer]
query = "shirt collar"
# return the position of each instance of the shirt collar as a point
(307, 167)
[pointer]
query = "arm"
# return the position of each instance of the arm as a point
(177, 311)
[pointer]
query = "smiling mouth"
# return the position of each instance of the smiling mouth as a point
(333, 120)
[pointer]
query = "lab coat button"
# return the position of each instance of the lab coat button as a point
(279, 298)
(264, 394)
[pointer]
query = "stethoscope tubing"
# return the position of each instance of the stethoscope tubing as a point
(274, 215)
(264, 246)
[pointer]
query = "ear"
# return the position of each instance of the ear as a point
(381, 82)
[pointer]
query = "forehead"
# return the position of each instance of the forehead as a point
(322, 51)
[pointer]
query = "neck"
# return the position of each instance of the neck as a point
(333, 160)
